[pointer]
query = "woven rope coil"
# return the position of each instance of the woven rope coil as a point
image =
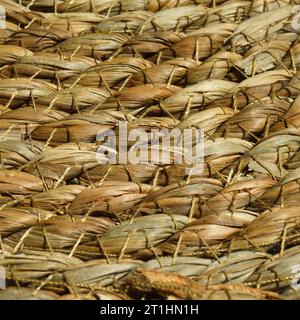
(73, 228)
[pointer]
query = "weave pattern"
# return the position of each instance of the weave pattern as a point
(73, 228)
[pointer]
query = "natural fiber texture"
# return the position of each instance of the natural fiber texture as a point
(73, 228)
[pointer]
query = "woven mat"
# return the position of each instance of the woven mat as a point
(73, 227)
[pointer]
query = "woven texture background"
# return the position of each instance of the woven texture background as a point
(71, 228)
